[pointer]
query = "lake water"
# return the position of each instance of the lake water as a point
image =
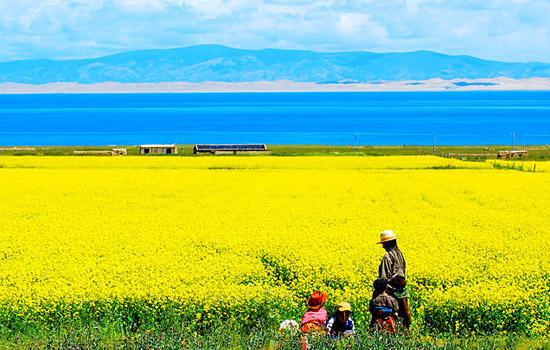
(359, 118)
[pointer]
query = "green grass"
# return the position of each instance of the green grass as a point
(143, 326)
(515, 166)
(536, 153)
(230, 335)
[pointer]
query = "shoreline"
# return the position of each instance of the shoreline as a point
(432, 85)
(535, 152)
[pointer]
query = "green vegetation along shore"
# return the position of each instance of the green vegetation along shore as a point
(472, 153)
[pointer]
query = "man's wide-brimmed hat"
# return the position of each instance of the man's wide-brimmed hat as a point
(316, 300)
(386, 236)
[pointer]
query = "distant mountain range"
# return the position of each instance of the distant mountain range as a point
(224, 64)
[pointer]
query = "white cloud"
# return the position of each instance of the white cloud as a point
(351, 23)
(497, 29)
(141, 6)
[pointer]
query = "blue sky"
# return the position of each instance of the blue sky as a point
(510, 30)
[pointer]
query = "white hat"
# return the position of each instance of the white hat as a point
(386, 236)
(288, 326)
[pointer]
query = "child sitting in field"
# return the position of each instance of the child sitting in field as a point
(383, 308)
(315, 319)
(341, 324)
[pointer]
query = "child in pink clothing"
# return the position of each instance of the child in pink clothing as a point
(315, 318)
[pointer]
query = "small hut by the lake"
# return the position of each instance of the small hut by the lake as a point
(158, 149)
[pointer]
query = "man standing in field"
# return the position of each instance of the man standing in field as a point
(392, 270)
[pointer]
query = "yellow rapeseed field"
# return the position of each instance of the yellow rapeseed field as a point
(246, 238)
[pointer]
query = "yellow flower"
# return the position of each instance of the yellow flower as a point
(221, 234)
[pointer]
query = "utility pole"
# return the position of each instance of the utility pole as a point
(182, 143)
(513, 140)
(434, 143)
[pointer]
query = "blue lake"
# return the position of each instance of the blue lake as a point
(359, 118)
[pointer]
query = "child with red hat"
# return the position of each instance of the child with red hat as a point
(315, 318)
